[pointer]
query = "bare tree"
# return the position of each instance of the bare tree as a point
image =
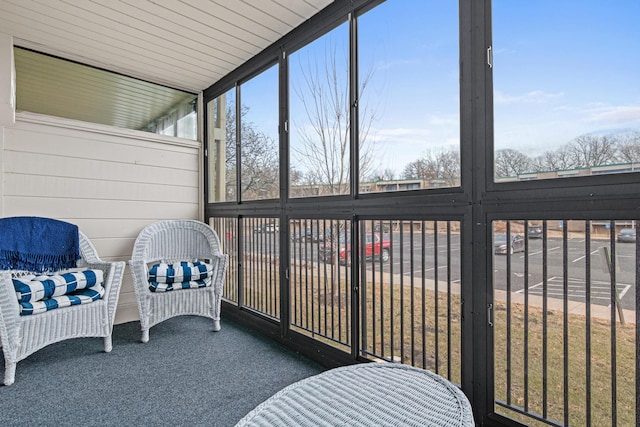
(444, 165)
(324, 149)
(560, 159)
(591, 150)
(259, 157)
(387, 174)
(418, 169)
(510, 162)
(628, 148)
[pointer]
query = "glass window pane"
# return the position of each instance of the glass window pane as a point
(56, 87)
(409, 105)
(222, 148)
(319, 113)
(566, 93)
(259, 137)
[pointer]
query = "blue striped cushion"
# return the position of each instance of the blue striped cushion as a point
(82, 296)
(165, 287)
(32, 288)
(180, 272)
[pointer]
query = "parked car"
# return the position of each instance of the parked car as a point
(267, 228)
(627, 235)
(375, 246)
(308, 235)
(534, 232)
(384, 227)
(502, 247)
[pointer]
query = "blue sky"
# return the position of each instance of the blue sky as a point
(561, 69)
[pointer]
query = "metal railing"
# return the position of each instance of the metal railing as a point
(564, 313)
(320, 280)
(410, 303)
(227, 229)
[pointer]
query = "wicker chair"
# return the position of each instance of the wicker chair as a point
(172, 241)
(22, 336)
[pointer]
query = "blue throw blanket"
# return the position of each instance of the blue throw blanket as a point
(37, 244)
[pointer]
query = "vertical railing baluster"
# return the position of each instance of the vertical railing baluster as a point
(252, 267)
(392, 305)
(423, 264)
(545, 253)
(401, 339)
(255, 283)
(382, 294)
(614, 305)
(338, 270)
(637, 308)
(294, 265)
(363, 290)
(526, 317)
(250, 239)
(565, 317)
(449, 332)
(436, 294)
(269, 278)
(412, 296)
(587, 301)
(508, 254)
(326, 242)
(373, 307)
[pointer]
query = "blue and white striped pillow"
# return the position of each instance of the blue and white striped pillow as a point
(37, 288)
(180, 272)
(166, 287)
(83, 296)
(37, 294)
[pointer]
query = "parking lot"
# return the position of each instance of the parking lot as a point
(431, 258)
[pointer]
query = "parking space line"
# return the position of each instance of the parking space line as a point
(548, 250)
(584, 256)
(576, 289)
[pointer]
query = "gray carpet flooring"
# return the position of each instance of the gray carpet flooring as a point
(186, 375)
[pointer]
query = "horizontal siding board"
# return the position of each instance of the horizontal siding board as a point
(115, 228)
(34, 164)
(78, 208)
(77, 145)
(25, 185)
(114, 248)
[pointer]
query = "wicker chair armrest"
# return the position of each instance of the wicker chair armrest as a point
(9, 309)
(139, 271)
(114, 273)
(221, 262)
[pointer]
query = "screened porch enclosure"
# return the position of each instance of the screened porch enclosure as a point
(502, 257)
(452, 186)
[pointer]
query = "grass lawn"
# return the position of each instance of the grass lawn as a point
(402, 326)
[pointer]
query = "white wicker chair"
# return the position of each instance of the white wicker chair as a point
(22, 336)
(172, 241)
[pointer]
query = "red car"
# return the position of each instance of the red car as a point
(375, 246)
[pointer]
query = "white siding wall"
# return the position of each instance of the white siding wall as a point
(110, 182)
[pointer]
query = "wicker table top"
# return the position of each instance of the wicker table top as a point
(369, 394)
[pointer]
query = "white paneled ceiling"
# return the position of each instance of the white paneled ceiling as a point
(183, 44)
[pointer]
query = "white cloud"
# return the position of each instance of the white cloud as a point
(532, 97)
(616, 115)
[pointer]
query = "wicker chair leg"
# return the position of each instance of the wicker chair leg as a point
(9, 373)
(108, 344)
(216, 325)
(145, 335)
